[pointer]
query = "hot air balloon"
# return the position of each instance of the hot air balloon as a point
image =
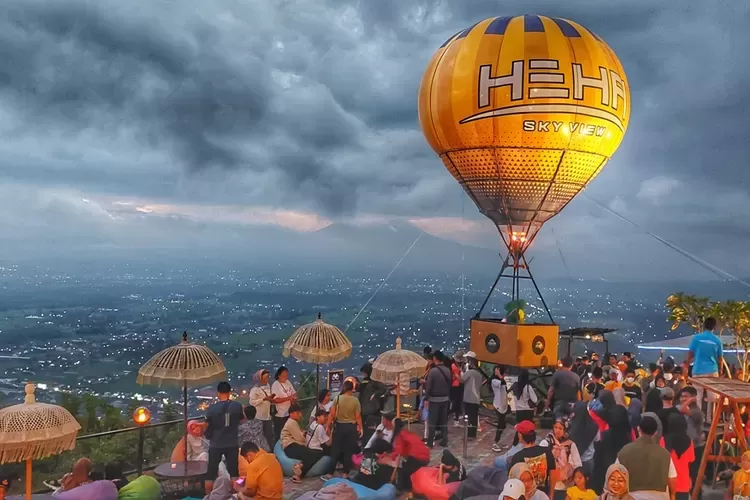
(524, 112)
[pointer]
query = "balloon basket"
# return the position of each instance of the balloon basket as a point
(523, 346)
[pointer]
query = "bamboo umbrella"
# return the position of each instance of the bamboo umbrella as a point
(185, 364)
(318, 342)
(391, 366)
(32, 430)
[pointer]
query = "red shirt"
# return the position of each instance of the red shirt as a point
(456, 372)
(407, 444)
(682, 466)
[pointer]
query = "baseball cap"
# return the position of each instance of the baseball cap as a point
(471, 354)
(513, 488)
(667, 393)
(526, 427)
(294, 407)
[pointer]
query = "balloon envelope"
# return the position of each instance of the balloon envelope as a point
(524, 112)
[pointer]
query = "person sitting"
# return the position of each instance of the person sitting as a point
(113, 471)
(295, 445)
(251, 429)
(317, 439)
(264, 479)
(739, 485)
(384, 430)
(451, 469)
(324, 403)
(523, 473)
(197, 450)
(80, 475)
(377, 467)
(513, 489)
(532, 453)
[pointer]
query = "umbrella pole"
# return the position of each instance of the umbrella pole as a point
(317, 378)
(28, 479)
(185, 421)
(398, 396)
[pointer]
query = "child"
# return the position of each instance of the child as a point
(451, 469)
(739, 485)
(4, 486)
(580, 490)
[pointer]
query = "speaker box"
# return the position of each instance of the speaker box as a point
(524, 346)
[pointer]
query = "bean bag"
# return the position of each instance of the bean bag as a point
(386, 492)
(424, 483)
(287, 464)
(101, 490)
(338, 491)
(141, 488)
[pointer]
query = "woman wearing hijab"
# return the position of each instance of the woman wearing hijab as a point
(197, 445)
(618, 434)
(653, 402)
(680, 448)
(634, 413)
(222, 490)
(261, 398)
(617, 483)
(583, 431)
(522, 472)
(567, 458)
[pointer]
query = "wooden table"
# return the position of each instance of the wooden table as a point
(731, 393)
(177, 470)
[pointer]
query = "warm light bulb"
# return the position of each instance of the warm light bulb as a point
(141, 415)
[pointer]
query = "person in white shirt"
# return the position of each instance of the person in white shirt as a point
(261, 398)
(317, 439)
(384, 431)
(499, 402)
(324, 403)
(283, 397)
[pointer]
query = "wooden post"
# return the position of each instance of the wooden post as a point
(28, 480)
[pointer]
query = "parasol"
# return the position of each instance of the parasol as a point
(318, 342)
(183, 365)
(32, 430)
(391, 366)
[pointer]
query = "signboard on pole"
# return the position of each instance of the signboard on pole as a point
(335, 381)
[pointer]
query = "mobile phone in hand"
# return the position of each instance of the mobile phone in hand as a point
(240, 481)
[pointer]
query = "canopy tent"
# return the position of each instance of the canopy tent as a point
(683, 344)
(586, 334)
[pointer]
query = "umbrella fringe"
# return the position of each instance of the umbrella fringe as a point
(21, 452)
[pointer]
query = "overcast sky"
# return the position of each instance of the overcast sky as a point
(152, 124)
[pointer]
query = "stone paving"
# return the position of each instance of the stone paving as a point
(479, 453)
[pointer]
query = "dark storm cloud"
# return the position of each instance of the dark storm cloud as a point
(312, 104)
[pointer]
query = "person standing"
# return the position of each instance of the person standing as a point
(346, 419)
(472, 379)
(499, 402)
(538, 458)
(565, 389)
(457, 388)
(284, 395)
(222, 431)
(652, 473)
(707, 355)
(682, 452)
(437, 399)
(372, 398)
(261, 398)
(694, 417)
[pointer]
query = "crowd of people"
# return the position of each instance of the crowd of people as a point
(620, 432)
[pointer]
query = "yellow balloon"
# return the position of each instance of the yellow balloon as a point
(524, 112)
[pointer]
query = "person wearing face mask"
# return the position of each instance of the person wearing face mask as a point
(631, 388)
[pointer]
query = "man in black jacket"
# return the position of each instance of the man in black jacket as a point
(437, 398)
(372, 396)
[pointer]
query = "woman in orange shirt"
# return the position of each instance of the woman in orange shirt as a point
(681, 449)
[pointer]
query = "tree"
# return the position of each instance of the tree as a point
(737, 318)
(687, 309)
